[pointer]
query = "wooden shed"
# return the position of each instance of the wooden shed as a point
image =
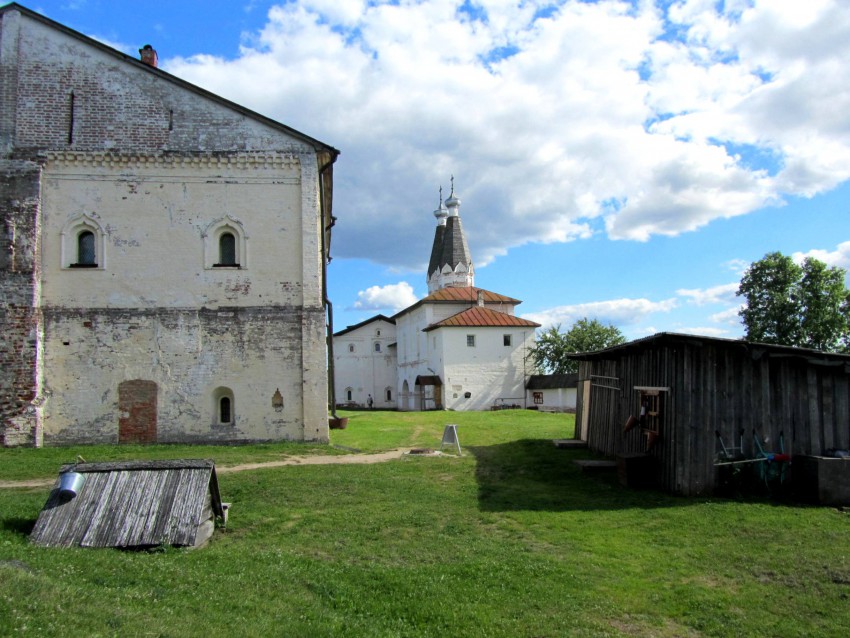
(132, 504)
(687, 393)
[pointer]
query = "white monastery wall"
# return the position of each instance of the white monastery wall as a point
(365, 370)
(484, 371)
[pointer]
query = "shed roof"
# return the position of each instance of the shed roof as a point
(132, 504)
(752, 349)
(552, 381)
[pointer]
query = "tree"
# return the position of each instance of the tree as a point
(806, 305)
(552, 347)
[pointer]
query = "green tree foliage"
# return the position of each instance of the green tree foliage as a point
(806, 305)
(553, 346)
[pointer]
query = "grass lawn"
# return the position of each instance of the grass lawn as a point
(509, 540)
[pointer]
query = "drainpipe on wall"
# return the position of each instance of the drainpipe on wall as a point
(325, 173)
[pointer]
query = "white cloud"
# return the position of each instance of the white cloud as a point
(725, 293)
(393, 297)
(729, 316)
(737, 266)
(839, 257)
(705, 331)
(594, 118)
(617, 312)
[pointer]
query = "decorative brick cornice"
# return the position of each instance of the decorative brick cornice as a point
(262, 160)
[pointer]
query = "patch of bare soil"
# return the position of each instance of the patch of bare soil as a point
(342, 459)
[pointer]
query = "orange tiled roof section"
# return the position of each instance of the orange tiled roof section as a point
(482, 317)
(468, 293)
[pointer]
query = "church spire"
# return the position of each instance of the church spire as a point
(450, 264)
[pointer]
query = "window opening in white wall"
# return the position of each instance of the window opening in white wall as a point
(86, 254)
(506, 340)
(223, 406)
(225, 244)
(225, 414)
(227, 250)
(470, 341)
(82, 243)
(377, 347)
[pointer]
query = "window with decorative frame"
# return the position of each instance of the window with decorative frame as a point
(225, 244)
(82, 243)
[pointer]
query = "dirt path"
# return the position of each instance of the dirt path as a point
(341, 459)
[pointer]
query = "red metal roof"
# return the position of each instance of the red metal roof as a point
(481, 316)
(467, 293)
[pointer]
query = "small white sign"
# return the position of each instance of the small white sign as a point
(450, 438)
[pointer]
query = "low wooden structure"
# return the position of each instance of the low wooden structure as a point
(552, 392)
(671, 395)
(133, 504)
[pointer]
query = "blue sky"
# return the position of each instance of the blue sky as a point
(617, 160)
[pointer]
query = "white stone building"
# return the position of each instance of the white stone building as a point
(459, 348)
(366, 364)
(163, 256)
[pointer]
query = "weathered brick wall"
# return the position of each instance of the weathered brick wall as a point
(73, 96)
(154, 162)
(188, 355)
(18, 290)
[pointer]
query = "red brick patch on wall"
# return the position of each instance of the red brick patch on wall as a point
(137, 408)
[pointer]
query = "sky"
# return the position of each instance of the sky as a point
(617, 160)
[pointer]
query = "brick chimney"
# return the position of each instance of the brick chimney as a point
(480, 297)
(148, 55)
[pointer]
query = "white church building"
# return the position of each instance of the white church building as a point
(459, 348)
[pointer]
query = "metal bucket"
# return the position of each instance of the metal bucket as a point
(70, 484)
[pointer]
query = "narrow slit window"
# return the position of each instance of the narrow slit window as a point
(85, 249)
(71, 104)
(225, 410)
(227, 250)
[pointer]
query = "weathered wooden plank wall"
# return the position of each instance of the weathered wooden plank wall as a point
(716, 386)
(133, 504)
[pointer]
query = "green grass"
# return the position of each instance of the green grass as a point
(509, 540)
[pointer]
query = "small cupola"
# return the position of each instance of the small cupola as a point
(148, 56)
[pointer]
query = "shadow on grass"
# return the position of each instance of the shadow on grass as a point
(23, 526)
(533, 474)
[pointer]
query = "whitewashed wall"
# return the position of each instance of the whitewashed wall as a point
(366, 371)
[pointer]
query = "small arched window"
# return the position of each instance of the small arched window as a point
(351, 347)
(377, 346)
(82, 243)
(227, 250)
(225, 244)
(389, 394)
(348, 394)
(223, 406)
(86, 254)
